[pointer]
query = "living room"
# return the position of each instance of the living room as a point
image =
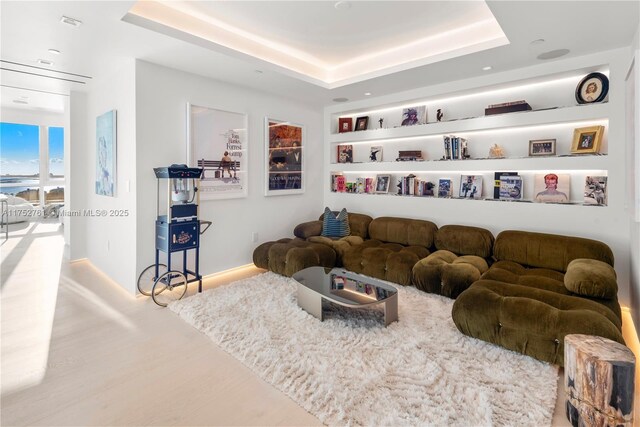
(154, 68)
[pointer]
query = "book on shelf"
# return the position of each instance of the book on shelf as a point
(447, 147)
(334, 181)
(375, 154)
(369, 185)
(595, 190)
(552, 188)
(341, 184)
(360, 185)
(345, 153)
(507, 104)
(511, 187)
(496, 182)
(470, 186)
(444, 188)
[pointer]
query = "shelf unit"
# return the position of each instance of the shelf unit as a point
(555, 118)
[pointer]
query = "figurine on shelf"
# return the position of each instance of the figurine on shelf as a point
(380, 121)
(439, 115)
(496, 152)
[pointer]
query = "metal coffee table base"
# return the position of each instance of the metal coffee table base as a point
(311, 302)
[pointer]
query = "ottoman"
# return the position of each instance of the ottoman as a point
(288, 256)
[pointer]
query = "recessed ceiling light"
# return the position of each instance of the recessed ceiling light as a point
(537, 41)
(54, 51)
(487, 68)
(553, 54)
(342, 5)
(340, 99)
(45, 62)
(20, 101)
(367, 94)
(70, 21)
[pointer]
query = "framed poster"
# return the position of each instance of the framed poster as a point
(284, 157)
(218, 144)
(106, 142)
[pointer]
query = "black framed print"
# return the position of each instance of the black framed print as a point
(592, 88)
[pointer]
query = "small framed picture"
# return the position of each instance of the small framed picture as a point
(542, 147)
(414, 116)
(382, 183)
(345, 124)
(362, 122)
(592, 88)
(587, 140)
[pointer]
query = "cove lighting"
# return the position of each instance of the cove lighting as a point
(516, 89)
(474, 172)
(487, 68)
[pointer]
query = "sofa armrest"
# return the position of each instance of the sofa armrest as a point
(308, 229)
(591, 278)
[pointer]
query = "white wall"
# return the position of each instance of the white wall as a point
(109, 242)
(633, 144)
(161, 98)
(610, 224)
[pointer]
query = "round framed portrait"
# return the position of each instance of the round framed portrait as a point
(593, 88)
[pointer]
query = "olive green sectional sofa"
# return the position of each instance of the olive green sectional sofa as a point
(521, 290)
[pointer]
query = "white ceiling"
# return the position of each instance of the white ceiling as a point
(29, 28)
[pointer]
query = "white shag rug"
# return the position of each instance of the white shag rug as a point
(351, 370)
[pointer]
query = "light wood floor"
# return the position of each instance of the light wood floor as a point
(78, 350)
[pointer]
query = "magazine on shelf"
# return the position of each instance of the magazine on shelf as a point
(444, 188)
(471, 186)
(369, 185)
(496, 182)
(345, 153)
(341, 184)
(360, 185)
(334, 181)
(595, 190)
(510, 187)
(376, 153)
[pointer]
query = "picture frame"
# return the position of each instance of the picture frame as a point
(218, 143)
(552, 188)
(106, 149)
(382, 183)
(542, 147)
(345, 124)
(414, 116)
(284, 157)
(362, 123)
(587, 140)
(594, 87)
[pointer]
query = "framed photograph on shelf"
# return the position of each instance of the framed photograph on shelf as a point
(444, 188)
(552, 188)
(592, 88)
(284, 157)
(218, 144)
(345, 124)
(382, 183)
(595, 190)
(106, 142)
(375, 154)
(542, 147)
(470, 186)
(362, 123)
(414, 116)
(587, 140)
(345, 153)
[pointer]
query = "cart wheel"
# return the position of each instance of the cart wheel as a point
(169, 287)
(147, 278)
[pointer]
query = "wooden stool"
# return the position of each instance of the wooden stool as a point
(598, 381)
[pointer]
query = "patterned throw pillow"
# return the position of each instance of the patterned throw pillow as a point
(335, 226)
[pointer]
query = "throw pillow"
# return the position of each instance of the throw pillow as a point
(591, 278)
(335, 225)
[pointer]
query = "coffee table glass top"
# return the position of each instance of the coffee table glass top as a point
(345, 287)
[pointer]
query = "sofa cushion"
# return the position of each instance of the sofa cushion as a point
(308, 229)
(358, 224)
(447, 274)
(335, 225)
(548, 251)
(403, 231)
(465, 240)
(591, 278)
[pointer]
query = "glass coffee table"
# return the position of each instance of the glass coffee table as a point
(344, 288)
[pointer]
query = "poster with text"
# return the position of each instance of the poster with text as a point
(218, 144)
(284, 145)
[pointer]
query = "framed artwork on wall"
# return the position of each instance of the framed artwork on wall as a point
(106, 142)
(217, 143)
(345, 124)
(284, 157)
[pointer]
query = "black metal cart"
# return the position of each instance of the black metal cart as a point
(178, 229)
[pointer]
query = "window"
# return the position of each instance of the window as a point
(30, 167)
